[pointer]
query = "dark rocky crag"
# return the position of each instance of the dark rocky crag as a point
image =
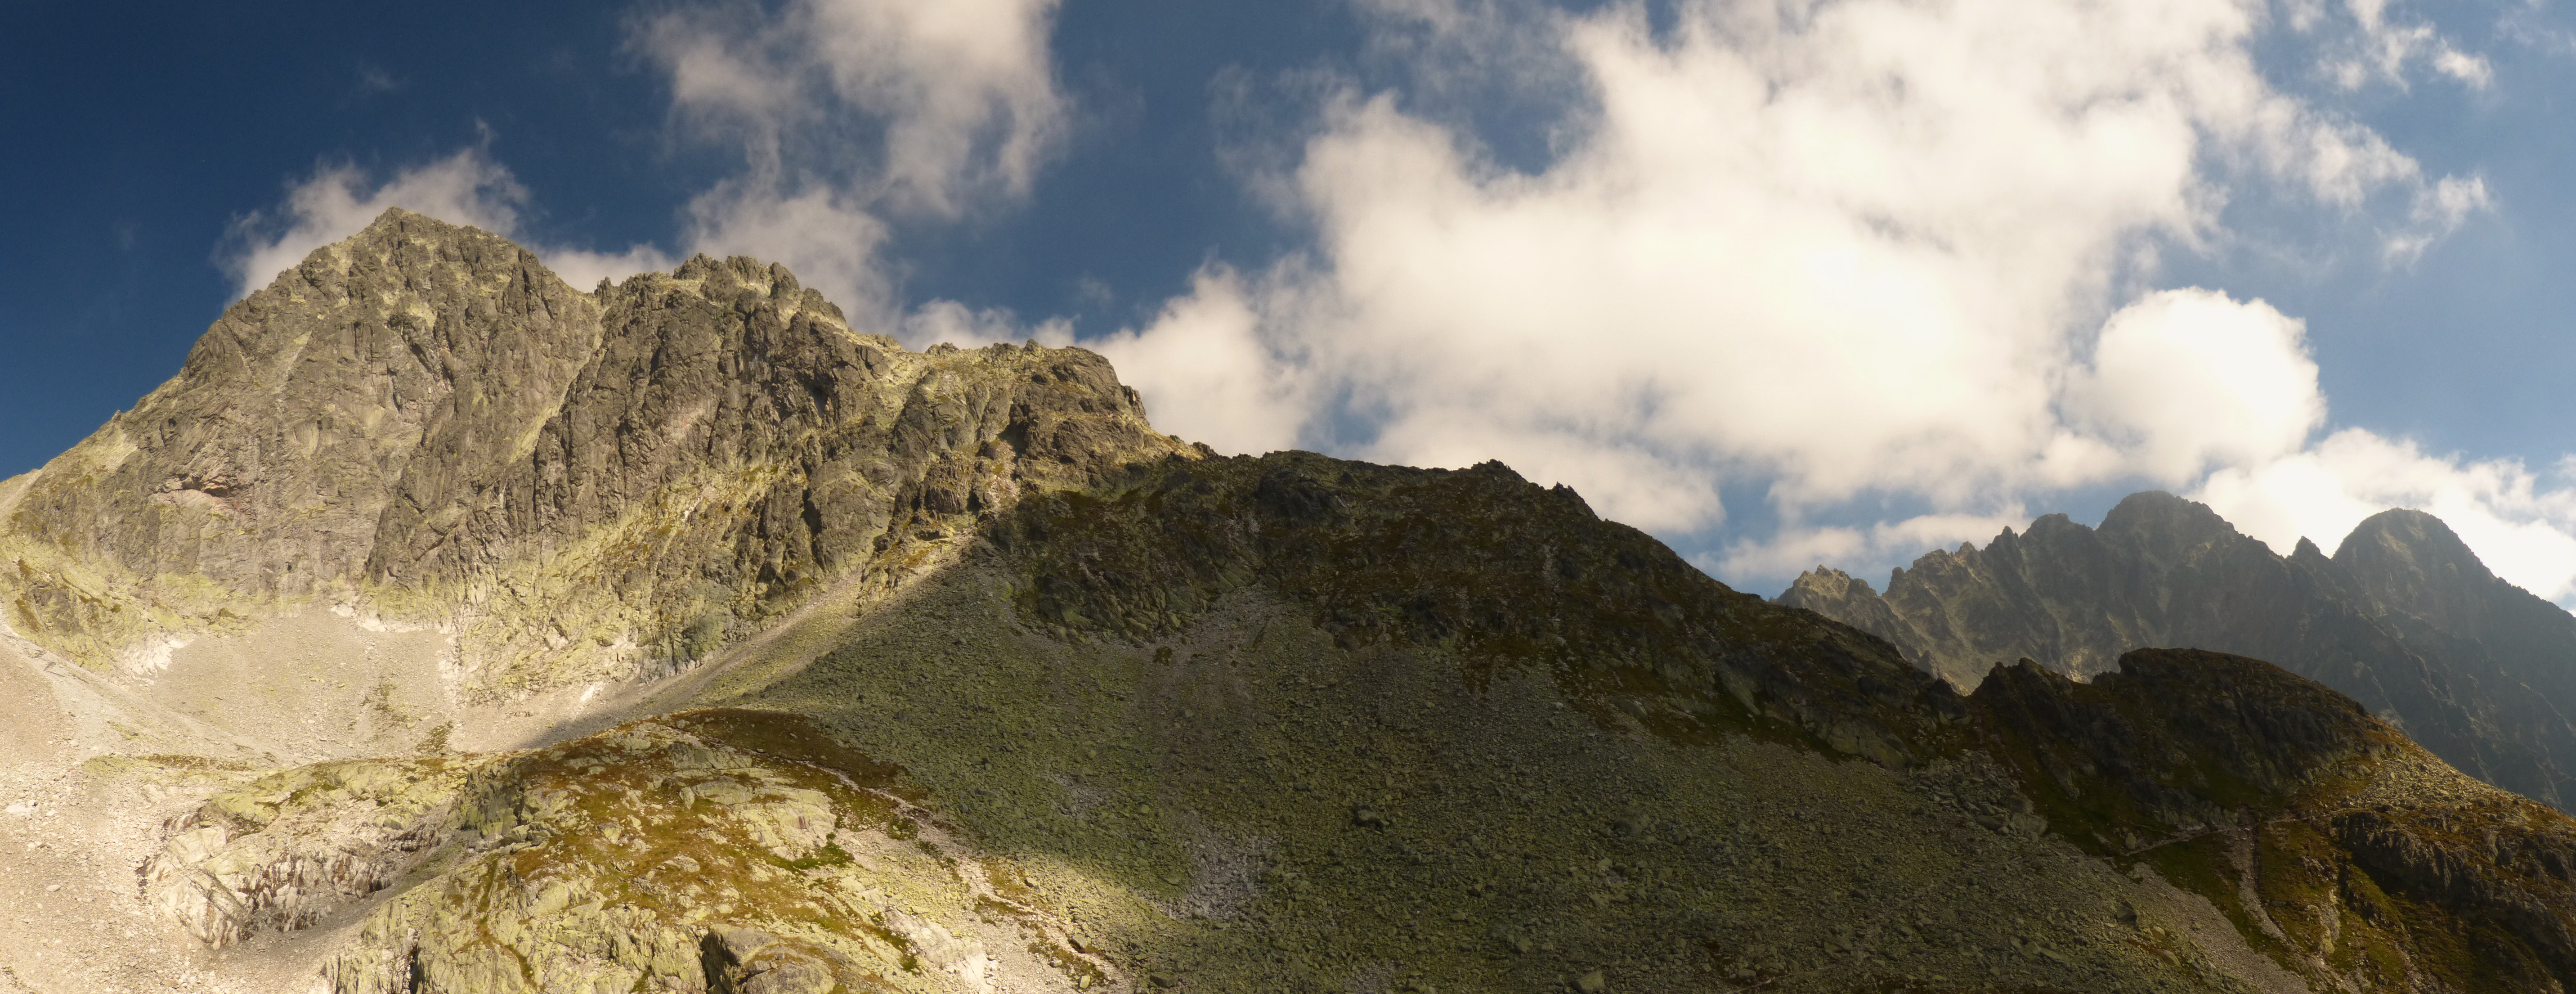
(2403, 618)
(2236, 774)
(944, 672)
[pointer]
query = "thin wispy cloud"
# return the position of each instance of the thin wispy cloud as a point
(374, 79)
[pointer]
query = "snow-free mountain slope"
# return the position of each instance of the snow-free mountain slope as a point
(712, 646)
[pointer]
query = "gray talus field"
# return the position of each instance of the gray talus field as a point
(442, 628)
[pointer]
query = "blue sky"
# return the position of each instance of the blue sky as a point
(1819, 281)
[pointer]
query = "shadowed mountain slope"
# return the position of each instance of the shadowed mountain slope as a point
(1293, 723)
(2403, 618)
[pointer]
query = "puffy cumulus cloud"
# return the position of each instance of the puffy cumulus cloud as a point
(2521, 523)
(2184, 379)
(1859, 252)
(1843, 247)
(337, 200)
(1205, 364)
(827, 236)
(966, 327)
(467, 187)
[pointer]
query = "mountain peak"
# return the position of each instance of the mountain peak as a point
(2410, 563)
(397, 226)
(2404, 538)
(2163, 518)
(424, 406)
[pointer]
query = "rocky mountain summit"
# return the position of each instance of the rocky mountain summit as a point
(442, 629)
(424, 424)
(2403, 618)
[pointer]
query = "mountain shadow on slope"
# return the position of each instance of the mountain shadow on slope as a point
(1293, 723)
(2403, 618)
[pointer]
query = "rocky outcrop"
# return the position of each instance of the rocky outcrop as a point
(2320, 831)
(2510, 882)
(2173, 741)
(2402, 618)
(702, 852)
(289, 849)
(1476, 562)
(423, 423)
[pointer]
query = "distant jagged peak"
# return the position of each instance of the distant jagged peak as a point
(2160, 518)
(2411, 563)
(2412, 541)
(1829, 582)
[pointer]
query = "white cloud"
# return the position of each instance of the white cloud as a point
(1205, 364)
(827, 236)
(966, 327)
(467, 187)
(337, 200)
(1856, 251)
(2184, 379)
(1863, 248)
(2439, 210)
(849, 114)
(2470, 69)
(924, 105)
(585, 268)
(2378, 47)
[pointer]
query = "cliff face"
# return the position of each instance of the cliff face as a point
(423, 424)
(2403, 618)
(944, 672)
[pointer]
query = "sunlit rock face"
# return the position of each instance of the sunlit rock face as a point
(2403, 618)
(444, 629)
(422, 424)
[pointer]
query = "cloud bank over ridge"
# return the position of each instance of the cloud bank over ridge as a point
(1865, 253)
